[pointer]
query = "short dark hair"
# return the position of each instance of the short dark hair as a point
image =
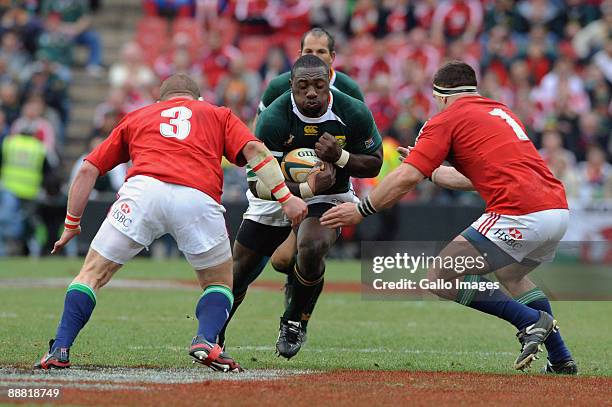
(320, 32)
(455, 73)
(308, 61)
(179, 84)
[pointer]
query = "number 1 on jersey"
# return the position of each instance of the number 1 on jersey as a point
(179, 126)
(518, 130)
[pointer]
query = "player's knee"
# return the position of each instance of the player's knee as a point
(94, 275)
(312, 250)
(310, 257)
(97, 270)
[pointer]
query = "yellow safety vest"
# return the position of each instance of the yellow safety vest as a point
(23, 159)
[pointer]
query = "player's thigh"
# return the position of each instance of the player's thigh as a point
(115, 245)
(283, 255)
(109, 250)
(458, 258)
(258, 238)
(255, 242)
(213, 266)
(196, 221)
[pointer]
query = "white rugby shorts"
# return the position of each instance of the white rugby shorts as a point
(148, 209)
(534, 236)
(270, 212)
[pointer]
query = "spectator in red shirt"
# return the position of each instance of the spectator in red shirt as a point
(251, 16)
(382, 104)
(290, 18)
(457, 18)
(364, 18)
(217, 58)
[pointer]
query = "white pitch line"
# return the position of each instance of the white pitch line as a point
(306, 348)
(135, 376)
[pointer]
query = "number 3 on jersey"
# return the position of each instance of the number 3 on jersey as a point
(179, 126)
(518, 130)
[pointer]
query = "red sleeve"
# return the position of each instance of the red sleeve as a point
(237, 134)
(431, 148)
(112, 151)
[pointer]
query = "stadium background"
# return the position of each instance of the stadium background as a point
(549, 61)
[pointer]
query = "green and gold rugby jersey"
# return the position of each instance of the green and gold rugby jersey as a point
(279, 85)
(282, 128)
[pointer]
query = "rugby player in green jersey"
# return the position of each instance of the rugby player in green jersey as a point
(343, 134)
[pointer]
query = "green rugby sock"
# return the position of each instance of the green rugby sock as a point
(302, 292)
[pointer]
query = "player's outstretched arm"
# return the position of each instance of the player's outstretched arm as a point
(267, 170)
(443, 176)
(78, 195)
(386, 194)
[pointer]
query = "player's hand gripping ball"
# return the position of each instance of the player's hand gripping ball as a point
(322, 177)
(327, 148)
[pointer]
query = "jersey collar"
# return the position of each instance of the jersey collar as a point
(327, 116)
(332, 76)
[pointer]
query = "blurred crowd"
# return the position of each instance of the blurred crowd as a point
(37, 39)
(550, 61)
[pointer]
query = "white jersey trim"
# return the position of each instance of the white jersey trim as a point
(327, 116)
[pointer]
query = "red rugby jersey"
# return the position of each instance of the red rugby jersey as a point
(488, 144)
(179, 141)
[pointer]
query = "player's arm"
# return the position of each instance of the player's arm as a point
(444, 176)
(448, 177)
(432, 148)
(357, 165)
(321, 178)
(386, 194)
(78, 195)
(362, 157)
(268, 172)
(106, 156)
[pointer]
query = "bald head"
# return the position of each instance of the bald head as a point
(179, 85)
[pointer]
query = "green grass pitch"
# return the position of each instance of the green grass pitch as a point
(153, 327)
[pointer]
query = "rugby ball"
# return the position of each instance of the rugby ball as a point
(298, 163)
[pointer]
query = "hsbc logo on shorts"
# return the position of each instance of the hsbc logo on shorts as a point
(510, 238)
(515, 233)
(119, 214)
